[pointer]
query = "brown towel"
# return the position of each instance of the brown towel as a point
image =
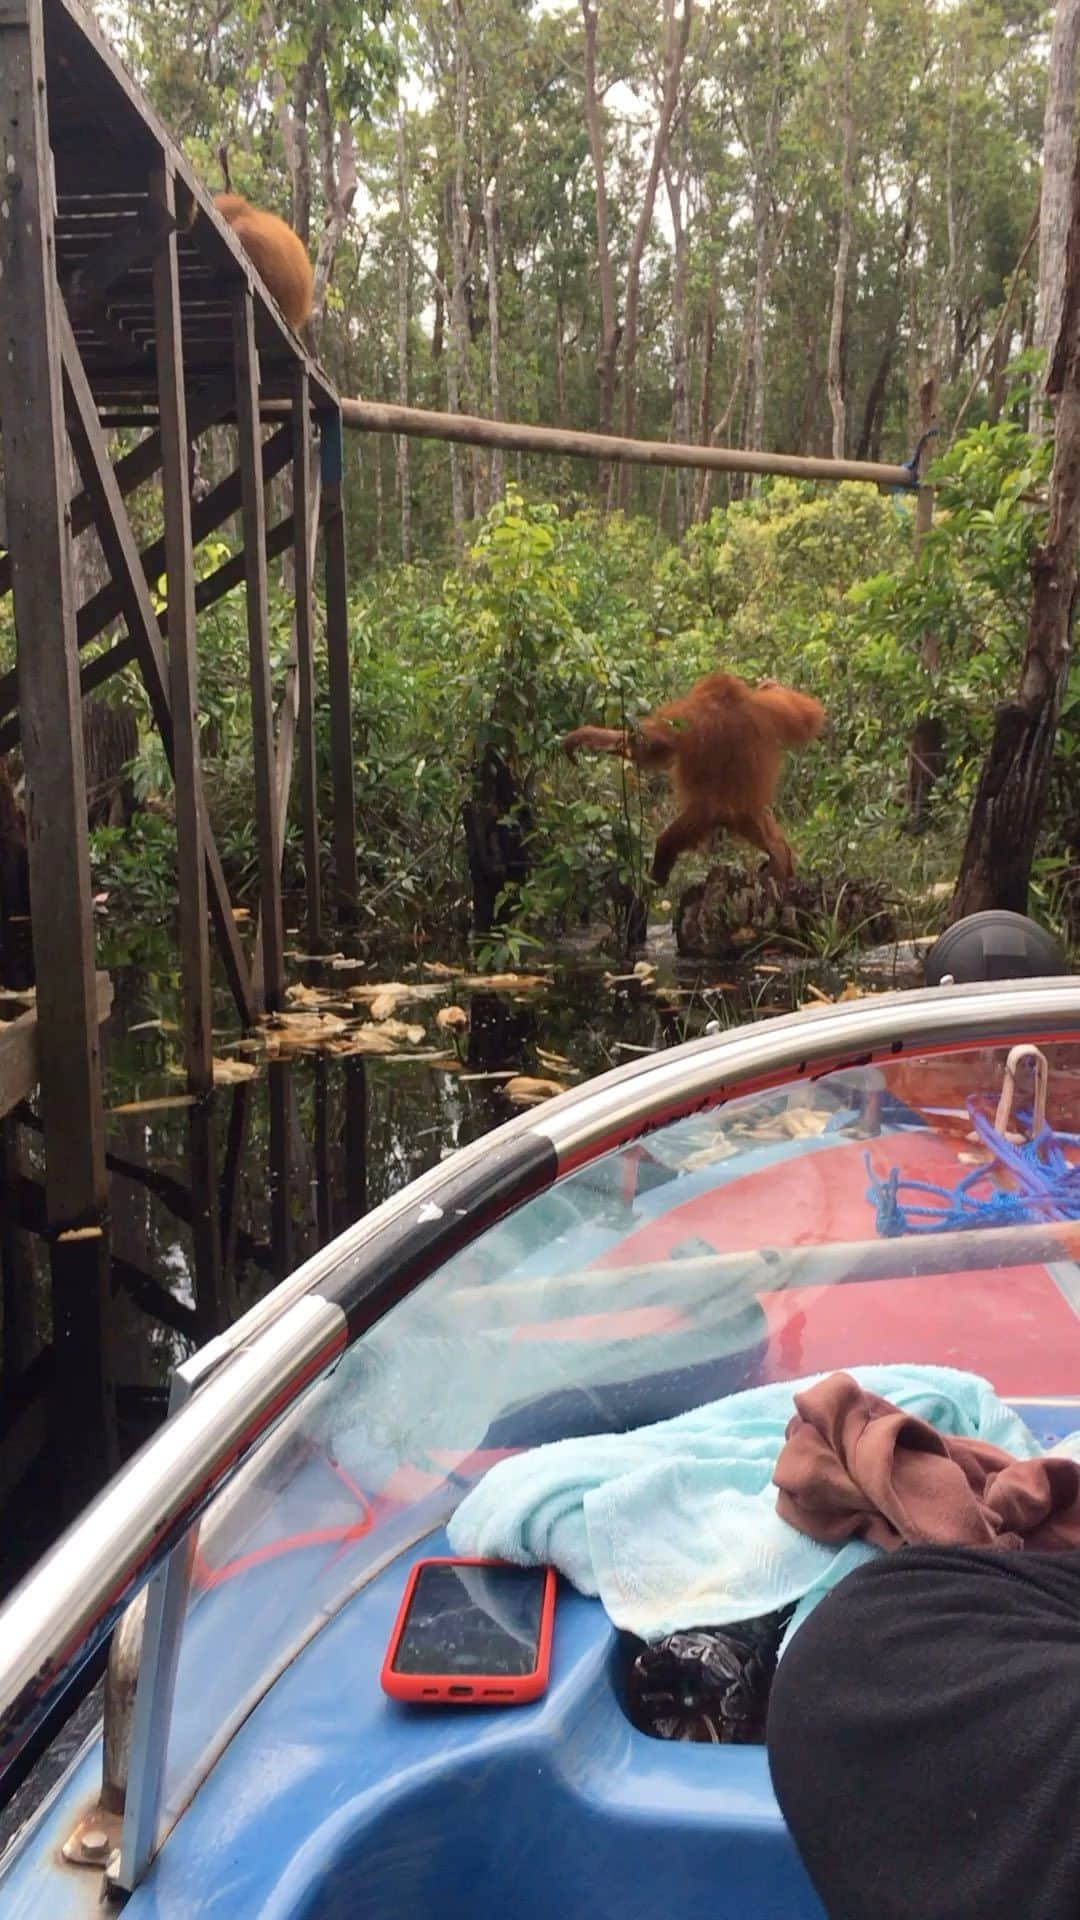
(853, 1464)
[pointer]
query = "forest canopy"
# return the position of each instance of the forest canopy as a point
(758, 222)
(791, 226)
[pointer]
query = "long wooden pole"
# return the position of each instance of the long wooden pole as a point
(374, 416)
(774, 1269)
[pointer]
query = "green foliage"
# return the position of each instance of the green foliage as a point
(546, 621)
(555, 618)
(947, 103)
(134, 867)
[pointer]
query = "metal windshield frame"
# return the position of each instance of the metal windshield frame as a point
(230, 1393)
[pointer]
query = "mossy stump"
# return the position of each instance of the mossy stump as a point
(733, 909)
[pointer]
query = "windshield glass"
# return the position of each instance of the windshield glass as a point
(882, 1213)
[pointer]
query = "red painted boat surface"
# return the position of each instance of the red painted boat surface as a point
(1015, 1326)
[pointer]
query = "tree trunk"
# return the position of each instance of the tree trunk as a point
(680, 366)
(497, 824)
(808, 440)
(723, 425)
(292, 101)
(708, 349)
(676, 35)
(1011, 795)
(404, 315)
(926, 753)
(869, 447)
(999, 365)
(380, 511)
(457, 357)
(110, 743)
(700, 504)
(996, 355)
(754, 435)
(496, 483)
(947, 297)
(1059, 126)
(560, 360)
(339, 184)
(438, 324)
(662, 501)
(605, 271)
(834, 373)
(1027, 341)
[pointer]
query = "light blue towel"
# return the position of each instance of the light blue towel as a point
(675, 1525)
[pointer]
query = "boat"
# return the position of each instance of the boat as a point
(892, 1178)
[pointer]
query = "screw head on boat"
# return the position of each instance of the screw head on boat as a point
(88, 1847)
(93, 1839)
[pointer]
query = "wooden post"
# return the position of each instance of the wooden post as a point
(287, 717)
(16, 1264)
(279, 1090)
(253, 521)
(194, 920)
(356, 1139)
(34, 451)
(337, 667)
(302, 571)
(324, 1220)
(232, 1180)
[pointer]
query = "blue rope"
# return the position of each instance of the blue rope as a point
(1048, 1186)
(912, 466)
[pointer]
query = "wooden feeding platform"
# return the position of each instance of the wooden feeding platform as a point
(126, 302)
(19, 1068)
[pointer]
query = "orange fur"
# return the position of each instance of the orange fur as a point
(277, 253)
(722, 746)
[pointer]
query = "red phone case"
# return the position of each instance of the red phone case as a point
(474, 1689)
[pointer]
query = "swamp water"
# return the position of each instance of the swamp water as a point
(377, 1071)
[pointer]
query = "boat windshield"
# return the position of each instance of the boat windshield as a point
(893, 1212)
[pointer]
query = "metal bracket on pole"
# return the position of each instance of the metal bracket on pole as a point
(166, 1605)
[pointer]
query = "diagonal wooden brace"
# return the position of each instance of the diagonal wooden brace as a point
(105, 605)
(207, 405)
(122, 555)
(208, 592)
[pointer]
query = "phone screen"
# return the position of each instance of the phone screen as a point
(473, 1620)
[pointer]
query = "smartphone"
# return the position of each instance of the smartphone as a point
(472, 1633)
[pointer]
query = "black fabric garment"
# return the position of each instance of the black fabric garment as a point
(924, 1738)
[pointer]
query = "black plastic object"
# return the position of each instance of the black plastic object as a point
(994, 945)
(708, 1684)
